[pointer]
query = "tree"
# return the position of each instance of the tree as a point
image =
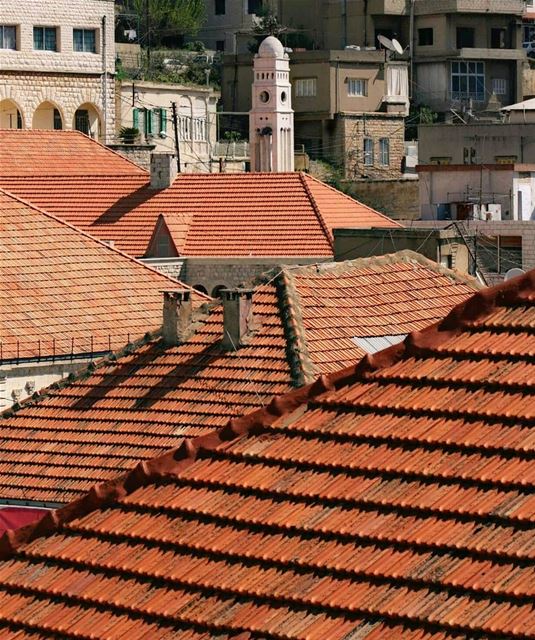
(161, 18)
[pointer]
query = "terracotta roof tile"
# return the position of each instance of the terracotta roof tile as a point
(30, 153)
(63, 291)
(393, 499)
(55, 449)
(271, 214)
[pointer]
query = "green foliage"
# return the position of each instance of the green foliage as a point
(166, 17)
(418, 114)
(128, 134)
(182, 66)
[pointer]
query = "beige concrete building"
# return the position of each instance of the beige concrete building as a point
(147, 106)
(463, 51)
(349, 106)
(57, 65)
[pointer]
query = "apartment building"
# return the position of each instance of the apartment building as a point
(462, 51)
(57, 64)
(349, 106)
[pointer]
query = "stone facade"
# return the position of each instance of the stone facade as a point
(48, 87)
(138, 153)
(212, 274)
(344, 145)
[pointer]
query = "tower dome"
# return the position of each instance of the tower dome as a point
(271, 47)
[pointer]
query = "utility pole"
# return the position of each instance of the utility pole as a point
(175, 127)
(147, 30)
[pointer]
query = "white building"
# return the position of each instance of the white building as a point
(147, 106)
(271, 119)
(57, 65)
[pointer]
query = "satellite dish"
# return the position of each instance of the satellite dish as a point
(386, 42)
(513, 273)
(397, 47)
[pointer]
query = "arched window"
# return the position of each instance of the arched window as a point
(200, 288)
(216, 291)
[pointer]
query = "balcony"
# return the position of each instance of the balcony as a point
(389, 7)
(508, 7)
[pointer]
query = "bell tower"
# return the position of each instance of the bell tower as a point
(271, 120)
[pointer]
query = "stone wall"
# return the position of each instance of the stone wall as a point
(65, 15)
(64, 79)
(138, 153)
(232, 272)
(344, 144)
(66, 92)
(398, 199)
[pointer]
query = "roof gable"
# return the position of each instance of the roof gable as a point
(65, 292)
(345, 508)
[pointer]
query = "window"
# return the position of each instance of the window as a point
(384, 151)
(254, 6)
(149, 122)
(469, 155)
(84, 40)
(497, 38)
(499, 86)
(220, 8)
(57, 120)
(162, 122)
(465, 37)
(468, 80)
(45, 38)
(220, 45)
(8, 37)
(368, 152)
(81, 121)
(425, 37)
(305, 87)
(357, 87)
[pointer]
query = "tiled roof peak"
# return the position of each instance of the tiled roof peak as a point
(392, 499)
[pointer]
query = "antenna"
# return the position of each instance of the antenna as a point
(397, 47)
(513, 273)
(386, 42)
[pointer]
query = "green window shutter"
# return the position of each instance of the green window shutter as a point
(163, 121)
(150, 122)
(135, 118)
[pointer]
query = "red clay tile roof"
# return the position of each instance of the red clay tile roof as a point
(63, 291)
(394, 499)
(148, 401)
(371, 297)
(95, 189)
(33, 153)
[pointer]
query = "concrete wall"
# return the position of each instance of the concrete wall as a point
(196, 108)
(445, 246)
(490, 142)
(523, 229)
(496, 185)
(64, 79)
(19, 381)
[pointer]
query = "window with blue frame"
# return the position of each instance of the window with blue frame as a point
(84, 40)
(45, 38)
(468, 80)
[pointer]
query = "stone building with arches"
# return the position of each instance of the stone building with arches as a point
(57, 66)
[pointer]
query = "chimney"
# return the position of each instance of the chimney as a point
(163, 170)
(177, 313)
(237, 317)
